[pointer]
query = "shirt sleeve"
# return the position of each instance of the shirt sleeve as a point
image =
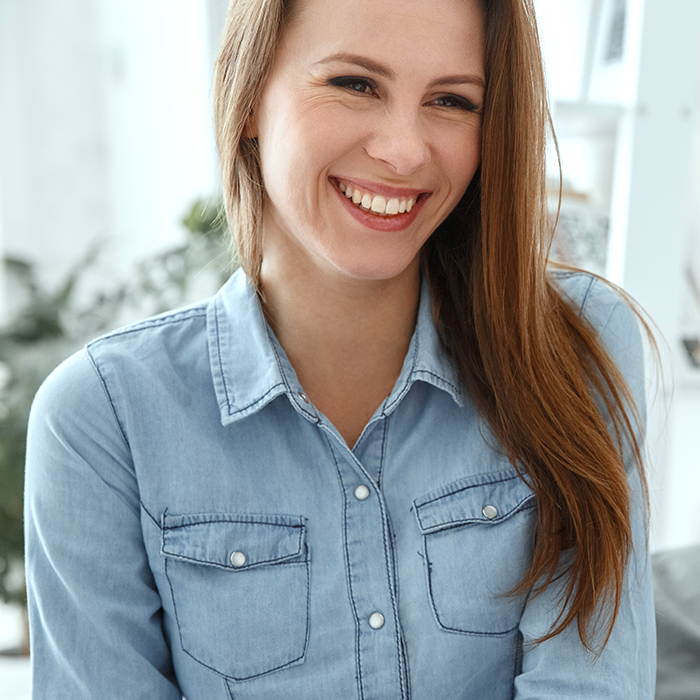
(561, 668)
(94, 611)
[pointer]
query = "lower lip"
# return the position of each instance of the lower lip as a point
(395, 222)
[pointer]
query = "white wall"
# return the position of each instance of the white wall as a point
(156, 83)
(53, 148)
(105, 126)
(563, 29)
(629, 130)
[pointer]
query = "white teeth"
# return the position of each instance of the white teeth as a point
(379, 204)
(392, 206)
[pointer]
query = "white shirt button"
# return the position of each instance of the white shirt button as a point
(238, 560)
(376, 621)
(361, 492)
(490, 512)
(303, 397)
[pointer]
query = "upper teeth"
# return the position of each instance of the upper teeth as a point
(376, 202)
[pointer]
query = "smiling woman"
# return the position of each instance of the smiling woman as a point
(394, 123)
(394, 120)
(397, 456)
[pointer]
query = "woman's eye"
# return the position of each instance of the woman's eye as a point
(353, 83)
(456, 102)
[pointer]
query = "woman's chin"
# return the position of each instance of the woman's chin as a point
(374, 269)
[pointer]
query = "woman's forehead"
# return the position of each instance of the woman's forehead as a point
(444, 33)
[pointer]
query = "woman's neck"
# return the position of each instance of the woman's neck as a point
(346, 338)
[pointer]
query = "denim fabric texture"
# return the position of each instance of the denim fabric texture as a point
(196, 527)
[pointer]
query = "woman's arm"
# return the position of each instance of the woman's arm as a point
(626, 669)
(94, 611)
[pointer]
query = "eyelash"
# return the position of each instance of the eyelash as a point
(352, 82)
(458, 102)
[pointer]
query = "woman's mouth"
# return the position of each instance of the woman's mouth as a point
(379, 204)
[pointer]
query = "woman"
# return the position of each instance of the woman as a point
(395, 458)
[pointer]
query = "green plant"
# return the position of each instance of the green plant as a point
(51, 324)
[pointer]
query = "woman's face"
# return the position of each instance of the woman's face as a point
(368, 130)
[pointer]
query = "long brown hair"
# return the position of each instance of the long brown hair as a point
(534, 368)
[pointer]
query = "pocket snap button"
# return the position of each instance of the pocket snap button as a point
(238, 560)
(490, 512)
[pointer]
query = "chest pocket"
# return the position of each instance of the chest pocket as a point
(478, 536)
(240, 589)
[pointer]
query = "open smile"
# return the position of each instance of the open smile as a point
(389, 209)
(376, 203)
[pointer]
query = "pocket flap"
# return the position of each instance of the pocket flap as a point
(213, 538)
(484, 498)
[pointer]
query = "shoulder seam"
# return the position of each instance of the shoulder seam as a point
(586, 296)
(176, 317)
(103, 384)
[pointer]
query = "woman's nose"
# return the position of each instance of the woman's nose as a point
(400, 141)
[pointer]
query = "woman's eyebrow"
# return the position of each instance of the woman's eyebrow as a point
(466, 79)
(385, 72)
(361, 61)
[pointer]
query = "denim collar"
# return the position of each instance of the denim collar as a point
(249, 367)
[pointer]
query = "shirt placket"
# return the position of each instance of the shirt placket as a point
(370, 571)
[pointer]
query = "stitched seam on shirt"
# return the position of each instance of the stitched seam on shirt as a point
(408, 383)
(231, 409)
(437, 615)
(218, 352)
(287, 386)
(439, 378)
(239, 522)
(274, 562)
(280, 560)
(178, 317)
(227, 688)
(172, 597)
(517, 650)
(219, 673)
(389, 567)
(382, 453)
(451, 524)
(93, 363)
(604, 326)
(407, 669)
(358, 660)
(155, 521)
(254, 403)
(481, 634)
(586, 296)
(466, 488)
(477, 634)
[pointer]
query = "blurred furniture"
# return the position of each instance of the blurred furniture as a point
(677, 596)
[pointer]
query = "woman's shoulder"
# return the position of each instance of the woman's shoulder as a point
(135, 354)
(612, 314)
(606, 307)
(153, 330)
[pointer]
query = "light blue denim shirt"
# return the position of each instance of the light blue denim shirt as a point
(196, 527)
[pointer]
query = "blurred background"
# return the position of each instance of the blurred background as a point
(109, 196)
